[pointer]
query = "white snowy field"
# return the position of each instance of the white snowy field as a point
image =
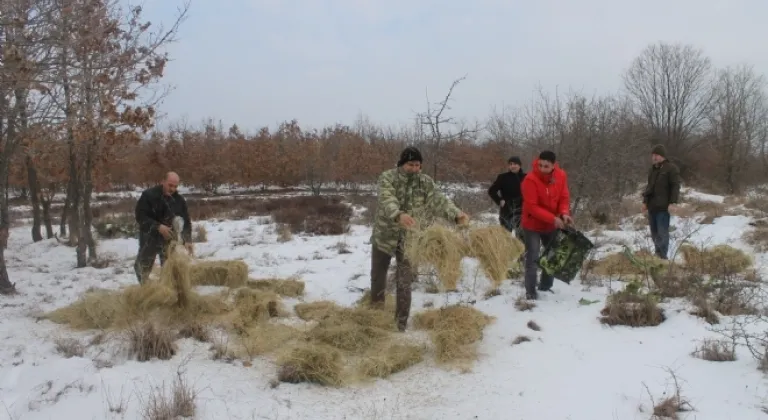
(574, 368)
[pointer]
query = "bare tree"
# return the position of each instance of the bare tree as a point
(738, 121)
(671, 88)
(435, 120)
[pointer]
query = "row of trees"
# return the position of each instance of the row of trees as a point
(72, 120)
(74, 76)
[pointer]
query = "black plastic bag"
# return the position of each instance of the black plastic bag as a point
(564, 256)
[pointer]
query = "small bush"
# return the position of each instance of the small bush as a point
(313, 215)
(180, 402)
(147, 341)
(632, 307)
(69, 347)
(716, 351)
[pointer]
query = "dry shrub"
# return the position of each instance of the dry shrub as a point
(283, 287)
(230, 273)
(496, 249)
(311, 362)
(473, 202)
(313, 215)
(757, 238)
(199, 233)
(390, 360)
(720, 260)
(633, 308)
(703, 309)
(716, 351)
(441, 248)
(454, 331)
(710, 209)
(179, 404)
(149, 340)
(195, 330)
(619, 265)
(69, 347)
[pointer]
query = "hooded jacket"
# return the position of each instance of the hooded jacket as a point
(545, 197)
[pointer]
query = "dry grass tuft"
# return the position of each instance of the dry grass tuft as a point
(195, 330)
(757, 238)
(219, 273)
(391, 359)
(618, 265)
(441, 248)
(283, 287)
(523, 304)
(311, 362)
(705, 311)
(69, 347)
(179, 404)
(454, 331)
(633, 308)
(716, 351)
(496, 249)
(148, 340)
(720, 260)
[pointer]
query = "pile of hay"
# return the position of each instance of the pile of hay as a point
(283, 287)
(439, 247)
(229, 273)
(720, 260)
(620, 265)
(496, 250)
(454, 331)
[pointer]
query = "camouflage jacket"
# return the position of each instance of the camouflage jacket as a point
(417, 195)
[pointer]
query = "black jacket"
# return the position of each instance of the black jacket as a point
(663, 187)
(155, 208)
(507, 187)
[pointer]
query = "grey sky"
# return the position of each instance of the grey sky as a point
(260, 62)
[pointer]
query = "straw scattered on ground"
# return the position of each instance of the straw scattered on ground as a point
(496, 250)
(311, 362)
(454, 331)
(229, 273)
(283, 287)
(392, 359)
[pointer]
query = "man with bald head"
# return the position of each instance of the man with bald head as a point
(155, 211)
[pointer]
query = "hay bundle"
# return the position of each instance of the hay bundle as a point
(253, 306)
(390, 360)
(229, 273)
(315, 311)
(720, 260)
(283, 287)
(345, 333)
(496, 249)
(264, 338)
(454, 331)
(439, 247)
(175, 274)
(315, 363)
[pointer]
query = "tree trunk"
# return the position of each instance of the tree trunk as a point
(34, 196)
(6, 287)
(86, 231)
(46, 205)
(64, 213)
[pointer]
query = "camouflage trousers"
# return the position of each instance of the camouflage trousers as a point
(149, 249)
(404, 275)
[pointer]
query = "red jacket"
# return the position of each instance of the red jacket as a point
(544, 198)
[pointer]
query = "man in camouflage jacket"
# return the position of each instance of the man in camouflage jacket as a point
(405, 195)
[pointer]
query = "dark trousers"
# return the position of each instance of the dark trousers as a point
(659, 224)
(149, 249)
(404, 276)
(533, 242)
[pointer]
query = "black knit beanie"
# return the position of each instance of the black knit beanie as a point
(547, 155)
(409, 154)
(660, 150)
(515, 159)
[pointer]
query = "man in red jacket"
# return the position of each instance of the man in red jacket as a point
(546, 208)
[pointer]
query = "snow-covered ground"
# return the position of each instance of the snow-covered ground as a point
(574, 368)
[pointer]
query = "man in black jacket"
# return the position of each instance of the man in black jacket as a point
(155, 211)
(661, 193)
(505, 192)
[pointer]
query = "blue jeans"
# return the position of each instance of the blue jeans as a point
(659, 224)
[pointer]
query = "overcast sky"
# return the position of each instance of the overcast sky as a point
(259, 62)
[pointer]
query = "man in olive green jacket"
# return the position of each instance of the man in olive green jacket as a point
(661, 192)
(405, 195)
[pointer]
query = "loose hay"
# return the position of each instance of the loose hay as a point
(283, 287)
(454, 330)
(392, 359)
(496, 249)
(439, 247)
(253, 306)
(389, 304)
(265, 338)
(310, 362)
(175, 274)
(230, 273)
(346, 334)
(147, 341)
(619, 265)
(633, 308)
(315, 311)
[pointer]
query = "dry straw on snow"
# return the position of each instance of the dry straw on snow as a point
(219, 273)
(455, 330)
(283, 287)
(496, 250)
(723, 260)
(439, 247)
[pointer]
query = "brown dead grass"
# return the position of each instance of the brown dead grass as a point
(757, 238)
(229, 273)
(454, 331)
(283, 287)
(720, 260)
(440, 247)
(311, 362)
(617, 265)
(149, 340)
(178, 403)
(632, 309)
(394, 358)
(715, 351)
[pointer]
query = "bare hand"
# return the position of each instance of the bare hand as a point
(567, 219)
(559, 223)
(165, 231)
(501, 203)
(406, 221)
(462, 218)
